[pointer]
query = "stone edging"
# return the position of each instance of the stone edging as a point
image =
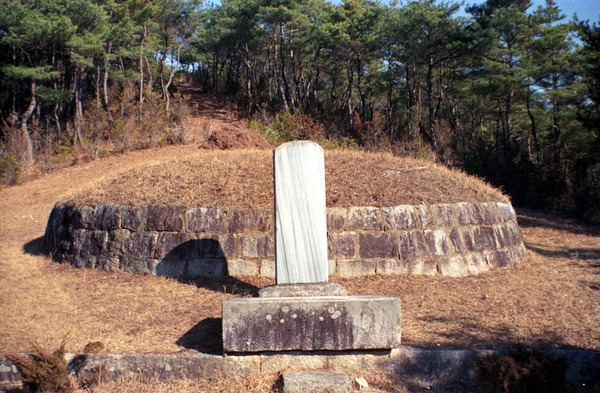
(423, 367)
(452, 240)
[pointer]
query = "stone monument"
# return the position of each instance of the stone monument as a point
(303, 311)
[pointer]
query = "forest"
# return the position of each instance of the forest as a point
(505, 91)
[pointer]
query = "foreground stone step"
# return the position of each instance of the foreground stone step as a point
(314, 323)
(302, 382)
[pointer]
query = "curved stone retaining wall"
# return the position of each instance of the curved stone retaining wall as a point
(452, 240)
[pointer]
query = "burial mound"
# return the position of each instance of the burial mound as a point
(211, 214)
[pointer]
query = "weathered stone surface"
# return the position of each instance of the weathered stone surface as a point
(139, 266)
(437, 241)
(426, 267)
(304, 289)
(242, 267)
(207, 267)
(267, 268)
(250, 220)
(476, 263)
(507, 213)
(253, 246)
(175, 268)
(399, 217)
(498, 259)
(453, 266)
(412, 245)
(191, 366)
(336, 218)
(468, 214)
(143, 245)
(300, 219)
(484, 238)
(272, 362)
(425, 217)
(311, 323)
(210, 247)
(165, 218)
(444, 215)
(462, 240)
(176, 246)
(490, 213)
(364, 218)
(132, 217)
(391, 266)
(107, 217)
(373, 245)
(353, 268)
(205, 219)
(302, 382)
(342, 245)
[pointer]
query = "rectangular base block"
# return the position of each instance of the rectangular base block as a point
(314, 323)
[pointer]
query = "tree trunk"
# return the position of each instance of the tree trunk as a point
(144, 32)
(24, 130)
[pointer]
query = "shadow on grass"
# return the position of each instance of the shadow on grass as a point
(205, 337)
(35, 247)
(582, 254)
(471, 334)
(537, 219)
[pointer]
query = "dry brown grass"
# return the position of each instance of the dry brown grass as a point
(551, 299)
(244, 179)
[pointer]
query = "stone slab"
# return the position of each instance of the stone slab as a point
(307, 289)
(331, 323)
(300, 217)
(302, 382)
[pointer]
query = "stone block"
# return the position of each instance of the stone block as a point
(301, 382)
(498, 259)
(412, 245)
(462, 240)
(490, 213)
(94, 243)
(107, 217)
(364, 218)
(444, 215)
(119, 243)
(172, 268)
(165, 218)
(228, 245)
(476, 263)
(140, 266)
(267, 268)
(426, 267)
(393, 266)
(453, 266)
(342, 245)
(311, 323)
(355, 268)
(207, 267)
(377, 245)
(265, 246)
(82, 217)
(484, 238)
(209, 248)
(425, 217)
(331, 265)
(507, 213)
(143, 245)
(242, 267)
(273, 362)
(175, 246)
(336, 218)
(399, 217)
(132, 217)
(438, 242)
(205, 219)
(468, 214)
(250, 220)
(303, 289)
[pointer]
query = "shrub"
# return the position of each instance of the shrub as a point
(9, 170)
(44, 372)
(521, 371)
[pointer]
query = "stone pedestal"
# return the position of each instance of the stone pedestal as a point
(315, 323)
